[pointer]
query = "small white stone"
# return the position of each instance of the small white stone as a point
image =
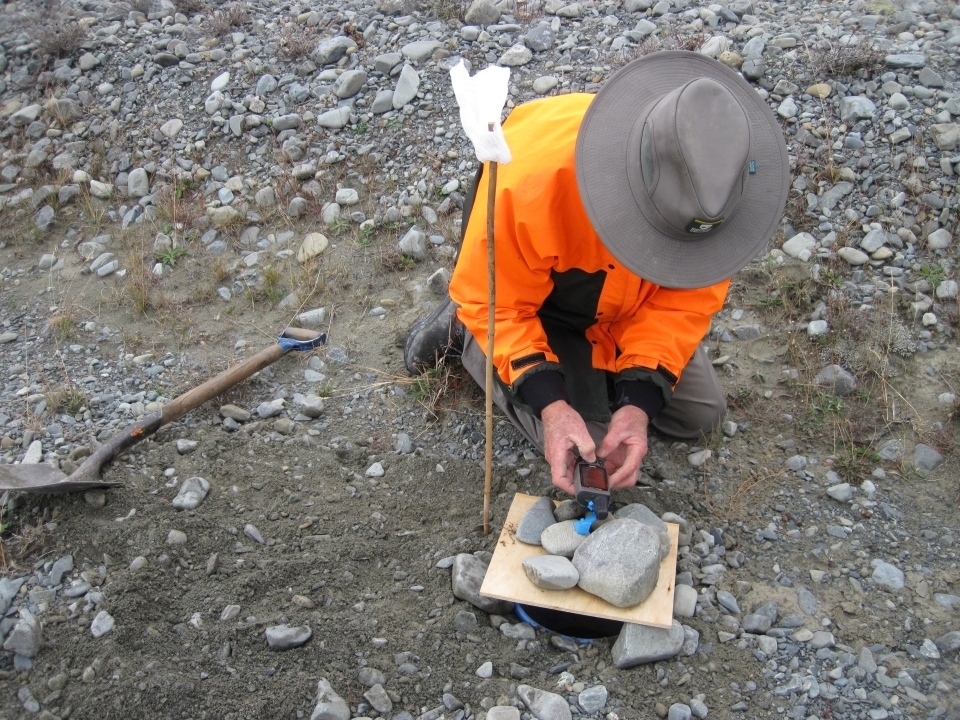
(375, 470)
(102, 624)
(817, 327)
(220, 82)
(929, 319)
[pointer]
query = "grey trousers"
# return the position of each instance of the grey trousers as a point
(697, 407)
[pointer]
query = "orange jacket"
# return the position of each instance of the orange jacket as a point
(543, 236)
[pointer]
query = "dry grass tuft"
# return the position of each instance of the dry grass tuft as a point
(54, 33)
(829, 60)
(528, 10)
(188, 7)
(297, 41)
(222, 22)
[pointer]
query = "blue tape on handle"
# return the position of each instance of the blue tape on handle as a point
(287, 343)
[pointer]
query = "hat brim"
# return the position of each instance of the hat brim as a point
(602, 176)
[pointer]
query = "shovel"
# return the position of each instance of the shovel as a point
(41, 478)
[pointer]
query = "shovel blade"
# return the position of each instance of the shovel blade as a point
(43, 479)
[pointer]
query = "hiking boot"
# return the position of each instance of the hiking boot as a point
(432, 338)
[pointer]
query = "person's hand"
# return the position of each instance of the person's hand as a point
(564, 430)
(625, 446)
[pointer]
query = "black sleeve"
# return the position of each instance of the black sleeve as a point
(542, 388)
(640, 393)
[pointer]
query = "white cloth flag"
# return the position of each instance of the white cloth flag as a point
(481, 99)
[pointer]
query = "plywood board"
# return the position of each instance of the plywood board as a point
(506, 580)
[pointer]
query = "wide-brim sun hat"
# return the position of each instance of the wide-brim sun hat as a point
(682, 169)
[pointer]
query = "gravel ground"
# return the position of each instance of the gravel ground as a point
(188, 178)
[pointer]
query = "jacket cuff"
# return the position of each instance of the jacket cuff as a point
(539, 389)
(643, 394)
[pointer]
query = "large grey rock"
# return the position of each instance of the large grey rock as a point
(284, 637)
(551, 572)
(349, 83)
(642, 514)
(906, 60)
(193, 492)
(926, 458)
(834, 377)
(561, 539)
(544, 705)
(835, 194)
(331, 50)
(414, 244)
(887, 575)
(420, 49)
(949, 642)
(407, 86)
(138, 183)
(946, 136)
(639, 644)
(9, 588)
(516, 56)
(334, 119)
(467, 577)
(482, 12)
(330, 706)
(26, 637)
(619, 562)
(539, 38)
(537, 519)
(684, 601)
(857, 107)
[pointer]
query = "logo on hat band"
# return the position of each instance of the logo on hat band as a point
(702, 226)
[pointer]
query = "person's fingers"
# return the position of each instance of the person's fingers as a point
(560, 460)
(626, 475)
(585, 443)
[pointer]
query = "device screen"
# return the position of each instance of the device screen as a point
(593, 477)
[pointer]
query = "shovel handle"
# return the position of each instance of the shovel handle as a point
(181, 405)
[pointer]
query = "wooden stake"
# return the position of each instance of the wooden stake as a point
(491, 317)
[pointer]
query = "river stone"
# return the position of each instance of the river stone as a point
(330, 706)
(284, 637)
(420, 49)
(535, 521)
(551, 572)
(26, 637)
(467, 577)
(102, 624)
(832, 196)
(414, 244)
(684, 601)
(639, 644)
(926, 458)
(887, 575)
(945, 135)
(837, 379)
(939, 239)
(330, 51)
(562, 538)
(516, 56)
(482, 12)
(906, 60)
(544, 705)
(801, 246)
(642, 514)
(193, 492)
(544, 84)
(334, 119)
(856, 108)
(619, 562)
(873, 241)
(349, 83)
(407, 86)
(313, 244)
(948, 642)
(138, 183)
(853, 256)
